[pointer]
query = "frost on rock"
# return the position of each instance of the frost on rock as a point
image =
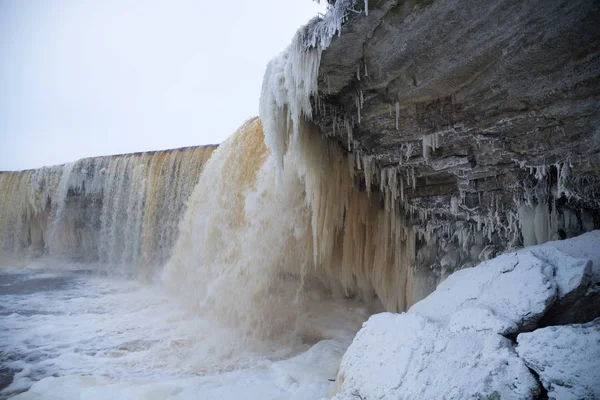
(566, 358)
(456, 343)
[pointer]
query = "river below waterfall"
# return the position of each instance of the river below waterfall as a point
(72, 333)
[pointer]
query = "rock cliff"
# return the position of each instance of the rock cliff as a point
(487, 113)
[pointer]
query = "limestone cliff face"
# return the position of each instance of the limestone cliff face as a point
(488, 113)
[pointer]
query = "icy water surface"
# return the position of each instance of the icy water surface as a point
(74, 333)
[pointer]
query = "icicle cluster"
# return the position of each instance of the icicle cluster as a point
(430, 143)
(538, 215)
(291, 79)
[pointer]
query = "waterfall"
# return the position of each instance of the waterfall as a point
(234, 243)
(122, 211)
(252, 253)
(252, 232)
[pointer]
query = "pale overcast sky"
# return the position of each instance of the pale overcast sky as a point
(81, 78)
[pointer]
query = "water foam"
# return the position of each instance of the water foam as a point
(112, 336)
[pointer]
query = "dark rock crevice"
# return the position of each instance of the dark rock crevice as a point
(543, 394)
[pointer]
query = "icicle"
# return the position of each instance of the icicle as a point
(430, 142)
(401, 188)
(454, 205)
(540, 172)
(367, 7)
(350, 136)
(357, 101)
(562, 170)
(369, 170)
(333, 123)
(397, 115)
(409, 150)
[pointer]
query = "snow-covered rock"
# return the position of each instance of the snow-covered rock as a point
(586, 246)
(408, 356)
(506, 294)
(582, 304)
(566, 358)
(456, 343)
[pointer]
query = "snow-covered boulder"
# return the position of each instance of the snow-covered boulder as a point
(582, 304)
(458, 342)
(566, 358)
(507, 294)
(408, 356)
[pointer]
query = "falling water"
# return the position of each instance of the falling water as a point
(122, 211)
(254, 253)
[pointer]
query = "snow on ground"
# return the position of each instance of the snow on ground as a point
(566, 358)
(452, 343)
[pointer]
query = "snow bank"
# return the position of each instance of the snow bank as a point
(566, 358)
(453, 343)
